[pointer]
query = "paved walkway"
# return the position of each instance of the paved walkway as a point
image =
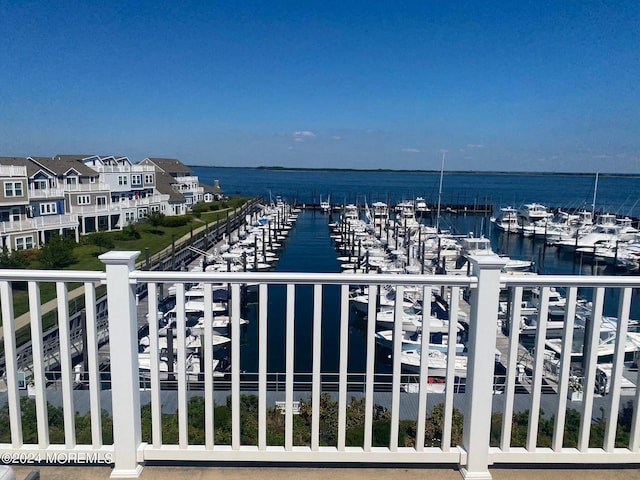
(320, 473)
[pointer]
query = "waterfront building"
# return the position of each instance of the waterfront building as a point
(81, 194)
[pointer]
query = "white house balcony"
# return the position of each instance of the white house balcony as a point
(42, 223)
(85, 210)
(13, 171)
(502, 410)
(87, 187)
(188, 179)
(147, 201)
(38, 193)
(123, 168)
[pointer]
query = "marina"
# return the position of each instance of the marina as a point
(354, 241)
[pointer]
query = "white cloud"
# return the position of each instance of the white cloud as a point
(475, 145)
(303, 135)
(410, 150)
(336, 137)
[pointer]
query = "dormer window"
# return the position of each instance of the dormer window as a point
(73, 181)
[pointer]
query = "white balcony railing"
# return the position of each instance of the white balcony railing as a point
(46, 193)
(13, 171)
(118, 206)
(87, 187)
(40, 223)
(123, 168)
(482, 444)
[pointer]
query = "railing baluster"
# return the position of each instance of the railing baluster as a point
(634, 436)
(262, 366)
(450, 380)
(565, 367)
(154, 366)
(512, 365)
(38, 364)
(65, 365)
(424, 366)
(181, 366)
(317, 364)
(290, 365)
(344, 353)
(235, 366)
(538, 368)
(624, 307)
(397, 368)
(11, 369)
(93, 364)
(370, 373)
(590, 355)
(207, 358)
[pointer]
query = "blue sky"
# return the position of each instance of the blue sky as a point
(500, 85)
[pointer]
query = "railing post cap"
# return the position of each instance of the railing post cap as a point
(487, 262)
(119, 257)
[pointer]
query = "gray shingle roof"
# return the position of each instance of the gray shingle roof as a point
(61, 164)
(210, 188)
(163, 185)
(169, 165)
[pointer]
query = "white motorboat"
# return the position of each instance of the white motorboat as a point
(532, 212)
(413, 341)
(437, 363)
(507, 221)
(421, 207)
(606, 346)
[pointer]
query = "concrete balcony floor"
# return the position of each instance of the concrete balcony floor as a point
(203, 472)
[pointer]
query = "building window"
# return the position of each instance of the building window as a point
(129, 217)
(12, 189)
(72, 181)
(136, 179)
(148, 178)
(142, 212)
(84, 200)
(123, 180)
(48, 208)
(40, 184)
(92, 179)
(101, 201)
(22, 243)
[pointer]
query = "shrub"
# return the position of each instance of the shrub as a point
(101, 240)
(179, 221)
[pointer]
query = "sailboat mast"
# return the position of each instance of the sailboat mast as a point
(440, 192)
(595, 192)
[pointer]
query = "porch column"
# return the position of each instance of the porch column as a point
(125, 386)
(480, 368)
(75, 229)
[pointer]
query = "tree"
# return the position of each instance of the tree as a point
(57, 252)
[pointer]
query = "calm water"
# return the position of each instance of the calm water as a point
(309, 248)
(619, 195)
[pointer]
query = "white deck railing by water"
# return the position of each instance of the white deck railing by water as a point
(472, 455)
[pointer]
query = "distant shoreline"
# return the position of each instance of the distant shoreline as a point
(448, 172)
